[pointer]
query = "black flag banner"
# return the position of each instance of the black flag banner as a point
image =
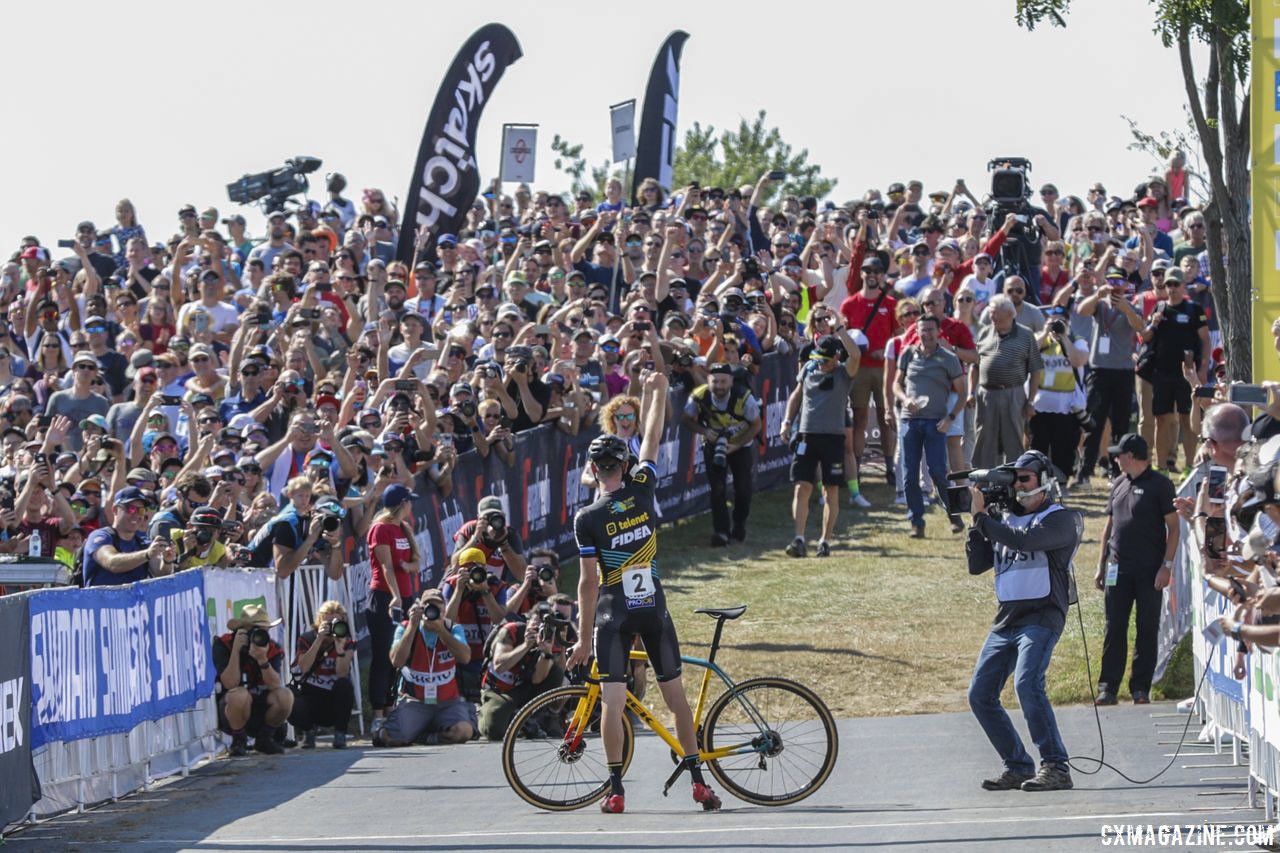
(656, 147)
(445, 177)
(19, 787)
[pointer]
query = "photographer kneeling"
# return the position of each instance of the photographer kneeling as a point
(427, 651)
(1031, 550)
(251, 698)
(322, 691)
(524, 660)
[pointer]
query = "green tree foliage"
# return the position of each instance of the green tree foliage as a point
(742, 156)
(1219, 107)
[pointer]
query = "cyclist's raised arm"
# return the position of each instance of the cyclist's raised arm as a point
(654, 407)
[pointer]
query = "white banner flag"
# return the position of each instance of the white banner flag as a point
(519, 145)
(622, 121)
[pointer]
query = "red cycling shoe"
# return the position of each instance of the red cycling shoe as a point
(613, 804)
(707, 797)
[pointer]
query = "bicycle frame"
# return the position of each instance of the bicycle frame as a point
(582, 713)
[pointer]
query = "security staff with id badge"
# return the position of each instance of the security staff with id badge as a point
(1134, 566)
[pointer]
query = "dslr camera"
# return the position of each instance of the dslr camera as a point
(479, 574)
(495, 529)
(556, 628)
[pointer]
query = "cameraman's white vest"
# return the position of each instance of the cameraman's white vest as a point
(1022, 575)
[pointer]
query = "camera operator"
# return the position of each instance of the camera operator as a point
(727, 416)
(1031, 551)
(477, 600)
(251, 699)
(427, 650)
(525, 660)
(1135, 563)
(323, 694)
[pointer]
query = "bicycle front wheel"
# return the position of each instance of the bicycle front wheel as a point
(553, 763)
(787, 761)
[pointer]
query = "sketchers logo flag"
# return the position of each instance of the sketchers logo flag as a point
(656, 149)
(445, 178)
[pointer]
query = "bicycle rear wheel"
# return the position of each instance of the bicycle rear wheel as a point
(566, 768)
(789, 761)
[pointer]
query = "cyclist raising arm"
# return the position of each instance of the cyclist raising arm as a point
(619, 531)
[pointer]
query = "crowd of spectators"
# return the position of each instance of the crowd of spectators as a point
(191, 395)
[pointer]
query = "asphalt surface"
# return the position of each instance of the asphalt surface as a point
(900, 783)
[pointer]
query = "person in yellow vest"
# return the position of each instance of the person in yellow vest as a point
(1055, 427)
(198, 543)
(727, 416)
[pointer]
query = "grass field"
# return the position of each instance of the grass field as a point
(886, 625)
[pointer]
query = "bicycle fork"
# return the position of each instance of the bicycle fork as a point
(685, 764)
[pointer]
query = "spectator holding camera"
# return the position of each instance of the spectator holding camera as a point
(539, 583)
(727, 416)
(427, 650)
(1178, 333)
(198, 544)
(524, 659)
(252, 701)
(1059, 401)
(395, 563)
(323, 694)
(121, 554)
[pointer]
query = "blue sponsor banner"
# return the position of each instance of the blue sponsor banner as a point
(104, 659)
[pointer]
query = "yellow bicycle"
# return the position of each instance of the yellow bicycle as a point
(769, 741)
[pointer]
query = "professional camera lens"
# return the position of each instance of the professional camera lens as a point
(330, 523)
(340, 628)
(546, 574)
(431, 613)
(479, 574)
(260, 637)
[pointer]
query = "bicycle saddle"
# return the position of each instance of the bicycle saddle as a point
(723, 612)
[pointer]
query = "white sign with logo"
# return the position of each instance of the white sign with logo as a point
(519, 147)
(622, 123)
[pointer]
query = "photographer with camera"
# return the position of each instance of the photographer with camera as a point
(489, 532)
(121, 554)
(1031, 549)
(539, 583)
(323, 694)
(1134, 565)
(1059, 401)
(727, 416)
(251, 700)
(427, 650)
(198, 544)
(477, 600)
(524, 659)
(191, 491)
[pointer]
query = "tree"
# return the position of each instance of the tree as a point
(744, 156)
(1221, 122)
(1164, 145)
(729, 160)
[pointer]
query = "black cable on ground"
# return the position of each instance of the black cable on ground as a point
(1102, 743)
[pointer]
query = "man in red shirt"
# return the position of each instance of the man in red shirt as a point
(870, 310)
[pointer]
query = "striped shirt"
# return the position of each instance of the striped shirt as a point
(1007, 360)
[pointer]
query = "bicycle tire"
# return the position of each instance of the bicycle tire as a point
(810, 735)
(539, 787)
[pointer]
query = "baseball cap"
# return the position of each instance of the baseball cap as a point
(129, 494)
(94, 420)
(896, 187)
(1147, 201)
(828, 346)
(237, 219)
(396, 494)
(491, 503)
(1161, 264)
(1173, 274)
(472, 557)
(1130, 442)
(949, 243)
(85, 357)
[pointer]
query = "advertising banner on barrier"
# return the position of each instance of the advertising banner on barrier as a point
(544, 490)
(226, 592)
(19, 787)
(1175, 604)
(106, 658)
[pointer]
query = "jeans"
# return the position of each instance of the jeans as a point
(921, 435)
(1025, 651)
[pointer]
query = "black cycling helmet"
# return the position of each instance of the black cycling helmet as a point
(609, 450)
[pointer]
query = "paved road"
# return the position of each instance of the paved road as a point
(901, 783)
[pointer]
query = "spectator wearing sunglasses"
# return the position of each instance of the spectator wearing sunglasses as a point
(80, 400)
(121, 553)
